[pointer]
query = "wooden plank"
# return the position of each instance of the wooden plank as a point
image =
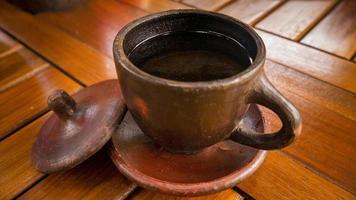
(336, 33)
(96, 178)
(6, 43)
(280, 177)
(78, 59)
(18, 66)
(107, 16)
(28, 99)
(156, 5)
(295, 18)
(211, 5)
(149, 195)
(311, 89)
(250, 11)
(331, 69)
(17, 172)
(327, 142)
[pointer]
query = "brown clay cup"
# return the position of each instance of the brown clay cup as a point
(186, 117)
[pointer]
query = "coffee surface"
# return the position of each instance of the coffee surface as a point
(192, 56)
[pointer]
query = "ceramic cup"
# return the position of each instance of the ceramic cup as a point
(189, 116)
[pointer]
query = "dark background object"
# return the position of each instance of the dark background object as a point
(36, 6)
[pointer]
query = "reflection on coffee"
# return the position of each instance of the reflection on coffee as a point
(191, 56)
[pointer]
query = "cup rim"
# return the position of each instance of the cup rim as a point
(122, 59)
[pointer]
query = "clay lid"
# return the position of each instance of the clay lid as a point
(79, 127)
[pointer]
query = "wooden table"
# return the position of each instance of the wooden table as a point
(311, 59)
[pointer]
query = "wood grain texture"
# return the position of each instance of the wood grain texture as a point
(23, 102)
(327, 143)
(211, 5)
(250, 11)
(96, 178)
(336, 33)
(6, 42)
(149, 195)
(16, 169)
(75, 57)
(17, 66)
(318, 166)
(156, 5)
(95, 24)
(331, 69)
(294, 18)
(282, 178)
(314, 90)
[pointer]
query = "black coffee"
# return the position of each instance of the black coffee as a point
(191, 56)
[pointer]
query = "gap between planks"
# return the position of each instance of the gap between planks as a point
(325, 82)
(224, 5)
(25, 123)
(24, 77)
(316, 22)
(37, 53)
(315, 171)
(306, 45)
(353, 59)
(134, 193)
(13, 49)
(30, 186)
(244, 195)
(131, 191)
(267, 13)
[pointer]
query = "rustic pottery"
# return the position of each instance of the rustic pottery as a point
(212, 169)
(190, 116)
(80, 126)
(181, 138)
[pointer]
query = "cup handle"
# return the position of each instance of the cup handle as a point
(265, 94)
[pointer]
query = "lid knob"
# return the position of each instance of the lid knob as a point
(76, 130)
(62, 104)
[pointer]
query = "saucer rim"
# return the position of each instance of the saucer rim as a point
(191, 189)
(184, 189)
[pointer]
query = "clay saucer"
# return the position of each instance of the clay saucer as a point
(213, 169)
(79, 126)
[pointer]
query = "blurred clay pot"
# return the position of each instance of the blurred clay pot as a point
(36, 6)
